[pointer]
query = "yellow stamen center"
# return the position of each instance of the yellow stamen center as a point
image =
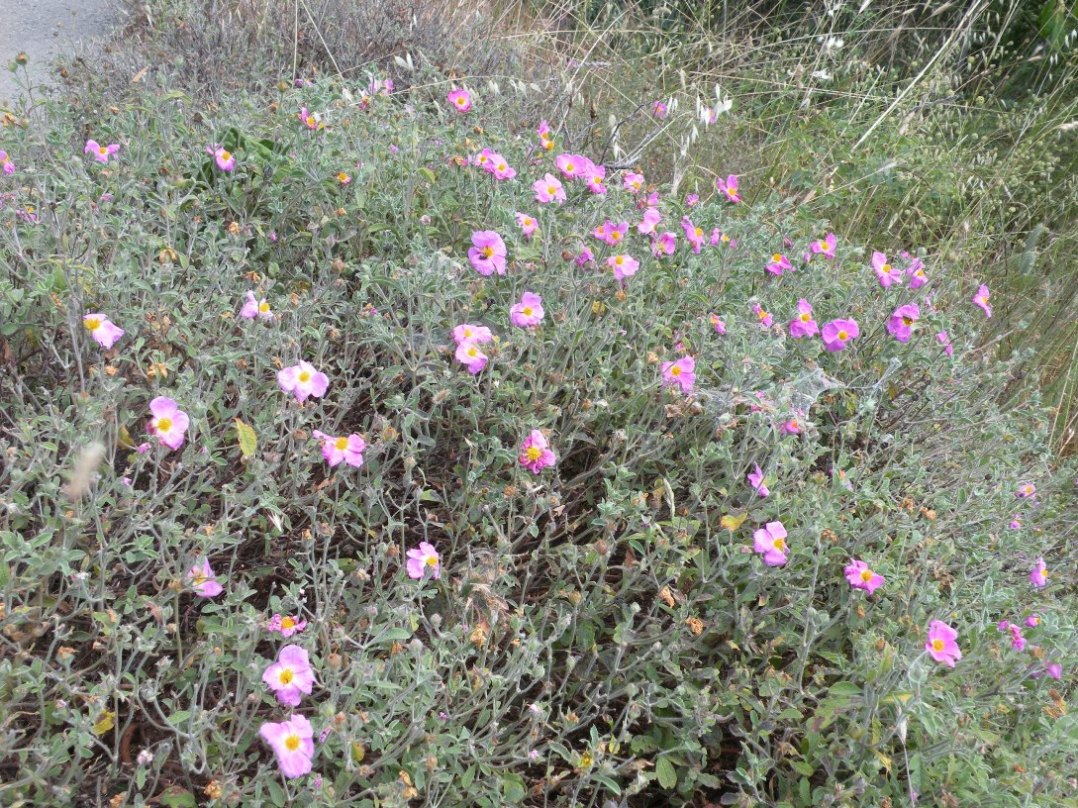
(866, 575)
(906, 321)
(264, 307)
(534, 453)
(286, 676)
(780, 545)
(304, 376)
(886, 269)
(776, 258)
(619, 260)
(487, 252)
(92, 323)
(225, 155)
(291, 743)
(763, 315)
(843, 335)
(163, 424)
(806, 317)
(527, 311)
(502, 166)
(551, 189)
(432, 561)
(340, 444)
(103, 149)
(675, 370)
(937, 645)
(342, 177)
(288, 622)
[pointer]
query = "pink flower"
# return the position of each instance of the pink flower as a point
(886, 274)
(1018, 642)
(861, 577)
(596, 179)
(571, 165)
(837, 333)
(1033, 620)
(292, 742)
(460, 99)
(487, 253)
(691, 200)
(1016, 523)
(981, 300)
(5, 163)
(527, 224)
(916, 273)
(343, 449)
(201, 579)
(423, 559)
(343, 178)
(549, 189)
(169, 422)
(586, 256)
(471, 356)
(694, 234)
(791, 426)
(502, 169)
(623, 265)
(1026, 491)
(942, 643)
(102, 329)
(633, 183)
(1054, 669)
(303, 380)
(770, 542)
(528, 313)
(466, 332)
(100, 153)
(728, 187)
(291, 676)
(648, 221)
(824, 246)
(546, 138)
(312, 120)
(945, 340)
(778, 264)
(664, 244)
(535, 455)
(660, 110)
(803, 325)
(717, 324)
(286, 625)
(756, 480)
(253, 307)
(900, 326)
(681, 372)
(1038, 576)
(615, 232)
(763, 317)
(226, 160)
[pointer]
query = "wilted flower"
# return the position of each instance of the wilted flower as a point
(292, 743)
(916, 273)
(201, 579)
(535, 454)
(763, 317)
(104, 332)
(861, 577)
(648, 221)
(942, 643)
(663, 244)
(169, 422)
(717, 324)
(660, 110)
(945, 340)
(303, 380)
(423, 559)
(5, 163)
(770, 542)
(312, 120)
(100, 153)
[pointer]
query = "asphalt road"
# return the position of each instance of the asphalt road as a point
(44, 29)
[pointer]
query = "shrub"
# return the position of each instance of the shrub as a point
(601, 628)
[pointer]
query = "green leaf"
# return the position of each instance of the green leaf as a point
(802, 768)
(513, 789)
(666, 773)
(247, 439)
(176, 797)
(179, 717)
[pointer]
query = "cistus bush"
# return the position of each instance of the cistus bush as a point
(367, 450)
